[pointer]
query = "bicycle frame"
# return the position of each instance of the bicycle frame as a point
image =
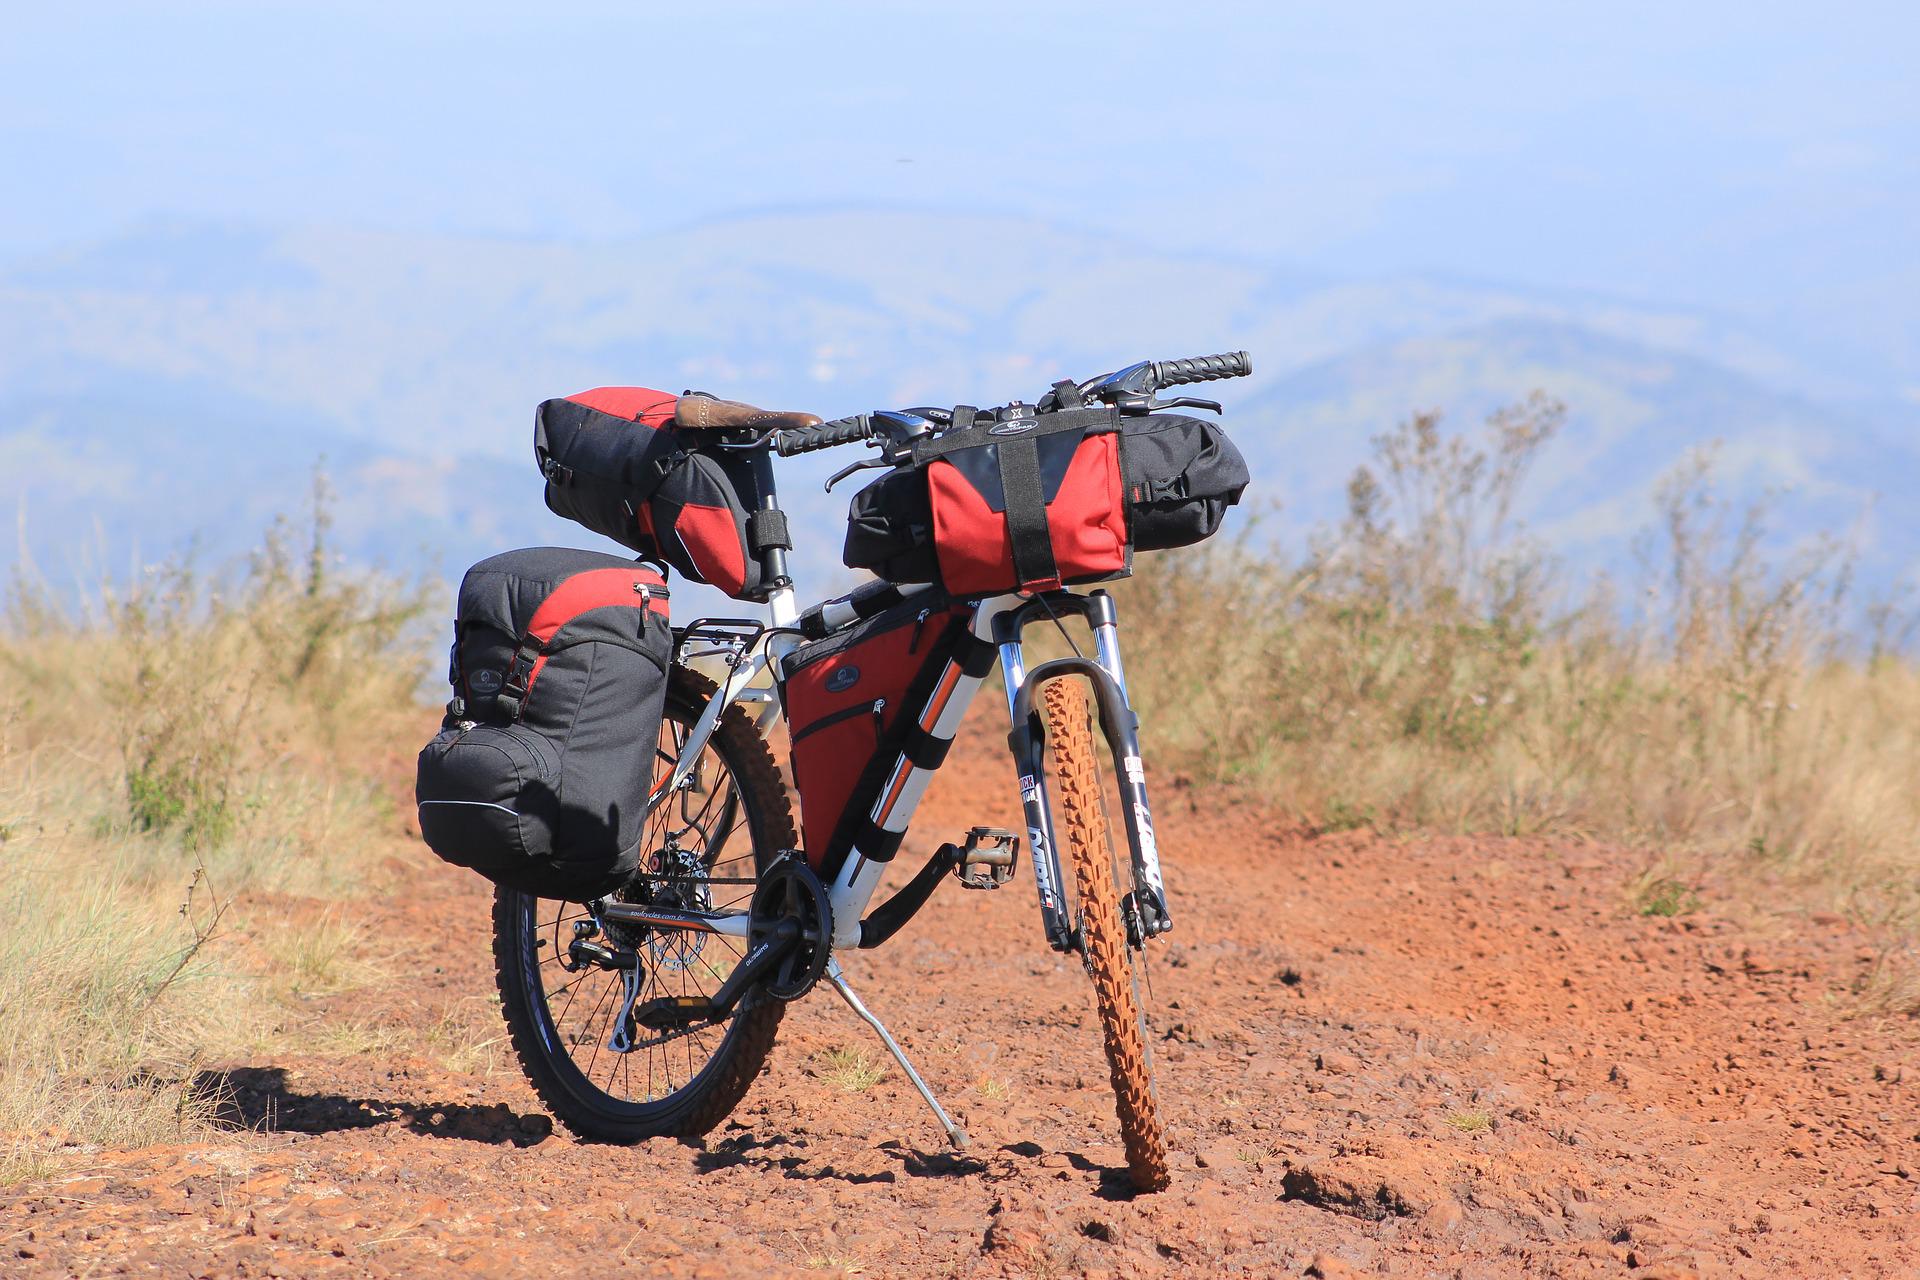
(998, 622)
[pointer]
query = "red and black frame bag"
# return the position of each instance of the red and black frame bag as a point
(538, 779)
(616, 462)
(1034, 503)
(851, 701)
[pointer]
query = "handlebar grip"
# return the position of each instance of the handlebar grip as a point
(825, 436)
(1171, 373)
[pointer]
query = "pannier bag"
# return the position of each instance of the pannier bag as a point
(1005, 506)
(616, 462)
(851, 699)
(539, 778)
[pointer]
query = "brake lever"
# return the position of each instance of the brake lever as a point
(865, 464)
(1190, 402)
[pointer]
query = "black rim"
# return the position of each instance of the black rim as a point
(698, 850)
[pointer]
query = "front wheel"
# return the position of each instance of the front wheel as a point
(1116, 991)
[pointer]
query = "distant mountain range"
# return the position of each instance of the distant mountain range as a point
(180, 382)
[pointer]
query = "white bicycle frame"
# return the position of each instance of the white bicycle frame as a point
(996, 621)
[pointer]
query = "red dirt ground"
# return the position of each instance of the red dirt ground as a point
(1397, 1058)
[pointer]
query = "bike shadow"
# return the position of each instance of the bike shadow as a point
(263, 1100)
(790, 1159)
(1115, 1183)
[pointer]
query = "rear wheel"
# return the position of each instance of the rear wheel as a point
(1116, 990)
(703, 848)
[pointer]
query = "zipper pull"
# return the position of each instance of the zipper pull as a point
(919, 625)
(879, 715)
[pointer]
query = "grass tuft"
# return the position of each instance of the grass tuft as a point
(851, 1070)
(1469, 1122)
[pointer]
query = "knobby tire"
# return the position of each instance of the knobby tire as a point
(1104, 934)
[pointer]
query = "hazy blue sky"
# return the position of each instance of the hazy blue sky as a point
(1762, 159)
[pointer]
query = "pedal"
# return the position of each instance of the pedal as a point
(988, 858)
(673, 1013)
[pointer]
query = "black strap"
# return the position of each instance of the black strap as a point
(1066, 395)
(923, 750)
(767, 529)
(876, 843)
(963, 416)
(976, 656)
(513, 693)
(1034, 567)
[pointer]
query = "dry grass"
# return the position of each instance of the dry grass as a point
(166, 751)
(851, 1070)
(1424, 666)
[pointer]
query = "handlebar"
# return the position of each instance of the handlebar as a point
(1172, 373)
(825, 436)
(1132, 386)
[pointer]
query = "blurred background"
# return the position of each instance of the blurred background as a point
(242, 238)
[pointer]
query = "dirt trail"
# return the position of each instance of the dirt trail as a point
(1433, 1058)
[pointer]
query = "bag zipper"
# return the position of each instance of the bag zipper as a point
(876, 708)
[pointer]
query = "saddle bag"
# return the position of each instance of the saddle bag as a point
(615, 461)
(538, 779)
(1030, 504)
(851, 698)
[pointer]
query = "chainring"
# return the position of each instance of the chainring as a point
(789, 890)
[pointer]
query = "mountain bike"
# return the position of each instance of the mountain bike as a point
(649, 1012)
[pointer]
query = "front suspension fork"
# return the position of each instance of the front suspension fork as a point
(1121, 728)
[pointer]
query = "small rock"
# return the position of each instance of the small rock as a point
(1338, 1064)
(1217, 1156)
(1327, 1267)
(1443, 1218)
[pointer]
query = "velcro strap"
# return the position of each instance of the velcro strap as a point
(875, 844)
(963, 416)
(976, 656)
(1066, 395)
(1034, 567)
(768, 529)
(923, 750)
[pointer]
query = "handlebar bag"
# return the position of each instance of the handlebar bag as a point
(538, 779)
(616, 462)
(852, 700)
(1001, 507)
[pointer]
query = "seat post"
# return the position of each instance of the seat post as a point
(773, 558)
(778, 583)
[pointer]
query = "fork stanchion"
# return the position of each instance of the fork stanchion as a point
(955, 1134)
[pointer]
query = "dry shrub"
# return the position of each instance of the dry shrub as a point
(165, 748)
(1423, 666)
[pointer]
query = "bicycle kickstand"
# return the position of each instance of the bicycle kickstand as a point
(955, 1134)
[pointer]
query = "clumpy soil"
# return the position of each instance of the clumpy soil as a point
(1442, 1057)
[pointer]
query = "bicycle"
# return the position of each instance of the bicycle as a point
(681, 976)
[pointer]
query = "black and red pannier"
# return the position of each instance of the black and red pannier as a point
(1034, 503)
(538, 779)
(616, 462)
(851, 699)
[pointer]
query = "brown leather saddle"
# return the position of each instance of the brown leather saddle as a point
(704, 411)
